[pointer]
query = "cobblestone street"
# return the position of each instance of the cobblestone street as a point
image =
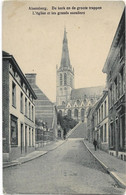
(68, 169)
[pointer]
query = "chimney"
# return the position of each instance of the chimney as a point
(31, 77)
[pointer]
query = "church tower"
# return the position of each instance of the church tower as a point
(65, 75)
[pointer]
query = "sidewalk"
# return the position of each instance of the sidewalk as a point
(115, 167)
(37, 153)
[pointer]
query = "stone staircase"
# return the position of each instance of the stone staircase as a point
(78, 132)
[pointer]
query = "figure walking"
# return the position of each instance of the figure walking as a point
(95, 144)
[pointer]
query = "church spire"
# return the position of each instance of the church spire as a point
(65, 60)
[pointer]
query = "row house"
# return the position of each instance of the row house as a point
(101, 122)
(90, 123)
(116, 79)
(97, 122)
(18, 111)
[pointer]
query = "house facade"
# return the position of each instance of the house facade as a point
(18, 111)
(97, 122)
(101, 122)
(116, 83)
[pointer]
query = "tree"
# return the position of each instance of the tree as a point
(66, 123)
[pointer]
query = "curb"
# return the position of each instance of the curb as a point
(19, 163)
(111, 173)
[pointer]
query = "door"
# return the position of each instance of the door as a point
(21, 138)
(25, 139)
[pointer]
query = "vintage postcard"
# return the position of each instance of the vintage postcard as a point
(63, 97)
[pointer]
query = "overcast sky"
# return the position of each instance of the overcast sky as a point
(35, 41)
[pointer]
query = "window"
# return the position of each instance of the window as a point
(25, 88)
(61, 80)
(13, 72)
(115, 89)
(105, 134)
(102, 112)
(32, 113)
(25, 106)
(76, 113)
(122, 132)
(21, 102)
(26, 141)
(13, 94)
(65, 79)
(69, 113)
(101, 134)
(110, 96)
(22, 138)
(29, 110)
(14, 131)
(105, 108)
(21, 83)
(82, 114)
(29, 136)
(99, 115)
(112, 135)
(121, 81)
(113, 93)
(32, 137)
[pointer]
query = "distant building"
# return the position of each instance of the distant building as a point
(70, 101)
(116, 82)
(45, 110)
(18, 111)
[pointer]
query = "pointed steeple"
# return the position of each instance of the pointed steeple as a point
(65, 60)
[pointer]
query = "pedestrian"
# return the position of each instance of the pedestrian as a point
(95, 144)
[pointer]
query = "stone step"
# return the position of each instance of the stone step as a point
(79, 131)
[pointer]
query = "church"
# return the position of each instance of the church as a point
(70, 101)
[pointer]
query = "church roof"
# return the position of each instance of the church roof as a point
(86, 92)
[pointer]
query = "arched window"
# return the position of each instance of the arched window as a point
(65, 79)
(61, 79)
(69, 113)
(82, 112)
(76, 113)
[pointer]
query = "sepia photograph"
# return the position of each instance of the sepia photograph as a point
(63, 97)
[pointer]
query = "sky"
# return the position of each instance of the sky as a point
(35, 40)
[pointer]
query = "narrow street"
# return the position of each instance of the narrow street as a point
(69, 169)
